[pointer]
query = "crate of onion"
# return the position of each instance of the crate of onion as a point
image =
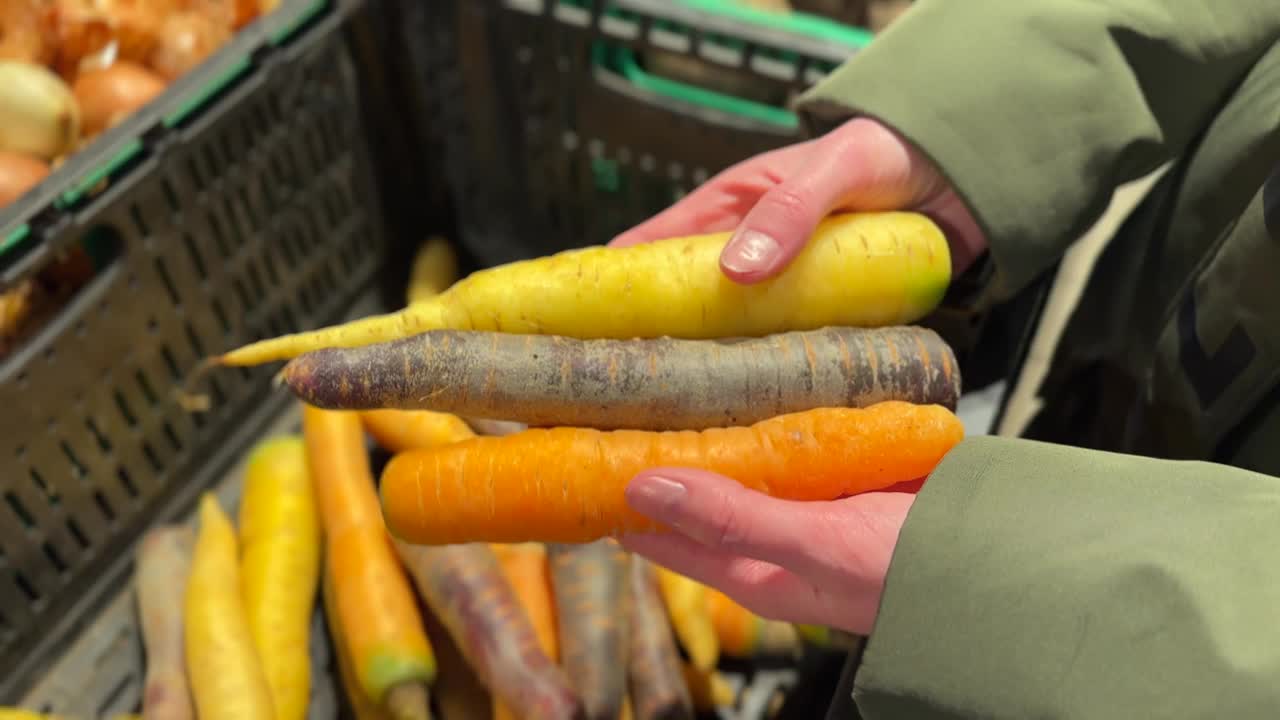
(176, 176)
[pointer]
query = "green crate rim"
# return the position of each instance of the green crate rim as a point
(623, 59)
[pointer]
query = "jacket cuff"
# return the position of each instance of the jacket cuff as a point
(1038, 580)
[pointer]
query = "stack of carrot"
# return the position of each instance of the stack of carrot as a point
(812, 386)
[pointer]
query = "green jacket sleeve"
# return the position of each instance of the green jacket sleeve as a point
(1037, 111)
(1041, 581)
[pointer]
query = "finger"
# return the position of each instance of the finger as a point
(721, 514)
(761, 587)
(861, 166)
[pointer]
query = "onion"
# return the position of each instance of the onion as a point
(109, 95)
(234, 14)
(38, 113)
(186, 39)
(24, 34)
(19, 173)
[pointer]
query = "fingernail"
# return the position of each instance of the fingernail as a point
(750, 251)
(657, 497)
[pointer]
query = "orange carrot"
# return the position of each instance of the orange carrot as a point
(361, 706)
(398, 430)
(744, 634)
(525, 567)
(526, 570)
(593, 616)
(374, 604)
(646, 384)
(464, 587)
(567, 484)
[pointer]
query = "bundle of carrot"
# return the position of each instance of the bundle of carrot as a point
(859, 269)
(805, 387)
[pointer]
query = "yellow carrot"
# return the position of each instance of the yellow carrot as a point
(226, 675)
(709, 689)
(568, 484)
(870, 269)
(375, 604)
(435, 268)
(280, 567)
(398, 430)
(690, 614)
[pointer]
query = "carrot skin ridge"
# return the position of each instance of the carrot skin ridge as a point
(645, 384)
(465, 588)
(656, 681)
(593, 617)
(567, 485)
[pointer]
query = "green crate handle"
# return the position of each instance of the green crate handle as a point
(623, 60)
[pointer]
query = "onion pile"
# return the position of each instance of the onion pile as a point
(71, 69)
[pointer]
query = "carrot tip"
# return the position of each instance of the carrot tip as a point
(192, 403)
(188, 399)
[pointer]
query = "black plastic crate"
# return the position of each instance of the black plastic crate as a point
(240, 204)
(551, 143)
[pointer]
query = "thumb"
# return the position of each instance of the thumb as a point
(722, 514)
(778, 226)
(861, 165)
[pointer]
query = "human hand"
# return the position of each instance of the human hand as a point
(820, 563)
(775, 200)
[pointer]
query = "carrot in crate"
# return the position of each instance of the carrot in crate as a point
(656, 680)
(708, 689)
(280, 566)
(654, 384)
(592, 617)
(361, 706)
(568, 484)
(744, 634)
(690, 612)
(226, 675)
(465, 589)
(374, 603)
(859, 269)
(435, 268)
(164, 563)
(399, 430)
(526, 569)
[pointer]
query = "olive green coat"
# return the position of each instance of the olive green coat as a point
(1034, 580)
